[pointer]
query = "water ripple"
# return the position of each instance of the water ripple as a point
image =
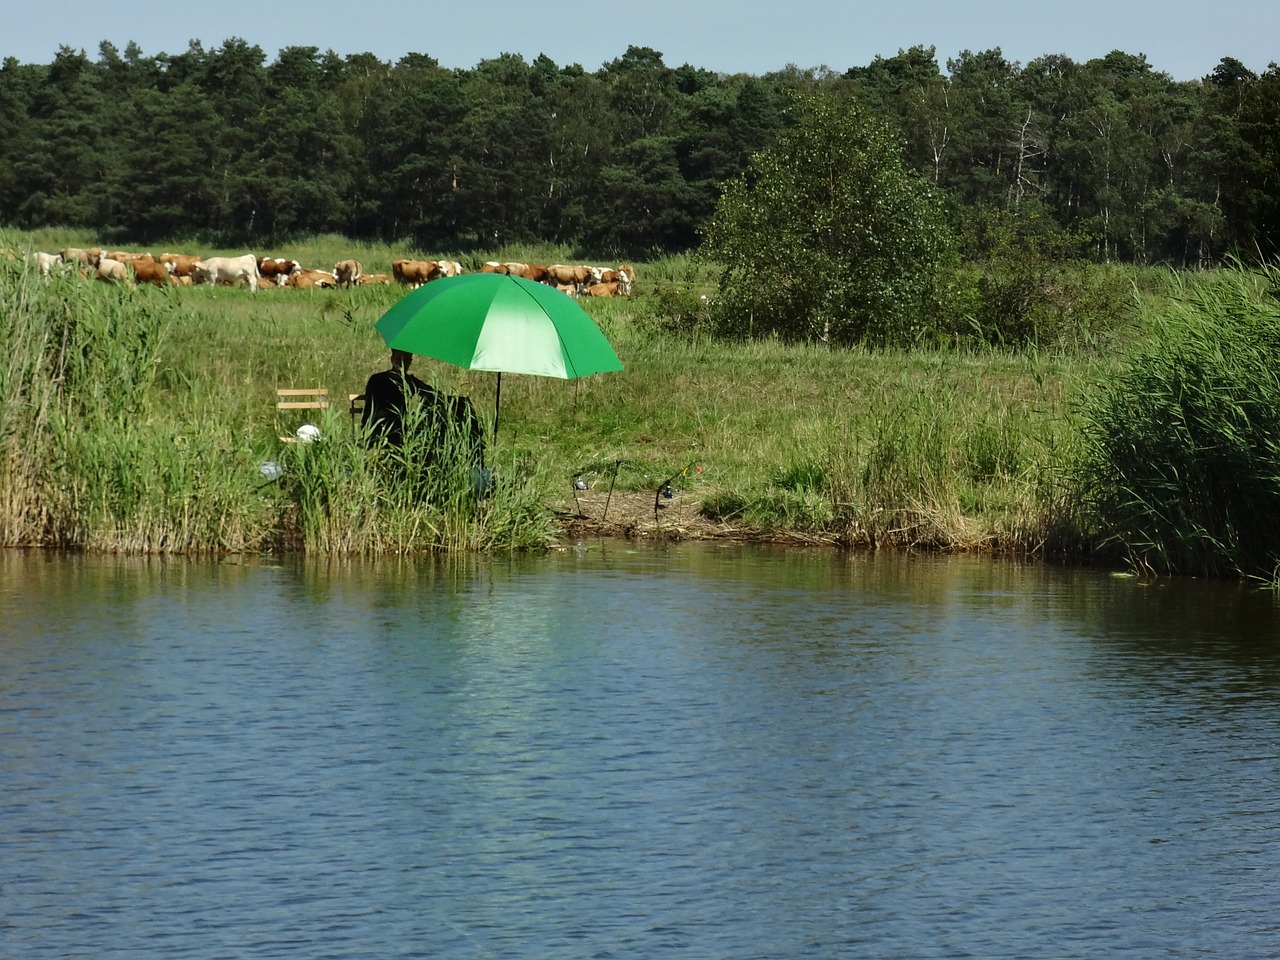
(679, 753)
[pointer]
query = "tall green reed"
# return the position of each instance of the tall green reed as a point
(27, 391)
(92, 455)
(918, 454)
(1181, 451)
(352, 493)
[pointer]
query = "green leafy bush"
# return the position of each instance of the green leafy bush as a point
(828, 237)
(1025, 282)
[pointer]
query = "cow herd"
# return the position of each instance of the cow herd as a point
(587, 281)
(259, 273)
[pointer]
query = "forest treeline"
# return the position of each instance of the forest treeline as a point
(231, 148)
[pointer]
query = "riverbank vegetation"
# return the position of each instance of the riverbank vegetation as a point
(143, 420)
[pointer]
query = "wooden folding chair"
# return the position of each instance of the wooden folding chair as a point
(292, 399)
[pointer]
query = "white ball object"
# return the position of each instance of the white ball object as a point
(308, 432)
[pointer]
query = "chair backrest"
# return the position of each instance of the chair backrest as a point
(294, 398)
(308, 398)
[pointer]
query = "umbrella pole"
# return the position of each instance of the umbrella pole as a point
(497, 405)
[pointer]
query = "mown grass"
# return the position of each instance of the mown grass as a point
(968, 447)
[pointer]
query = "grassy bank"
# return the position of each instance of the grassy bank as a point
(140, 420)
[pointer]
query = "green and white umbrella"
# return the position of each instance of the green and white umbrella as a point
(496, 322)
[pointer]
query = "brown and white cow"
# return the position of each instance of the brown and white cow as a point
(113, 271)
(415, 272)
(529, 271)
(277, 269)
(125, 256)
(46, 263)
(563, 273)
(515, 268)
(180, 264)
(611, 289)
(309, 279)
(347, 272)
(627, 278)
(76, 255)
(150, 270)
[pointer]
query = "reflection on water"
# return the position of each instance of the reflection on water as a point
(694, 751)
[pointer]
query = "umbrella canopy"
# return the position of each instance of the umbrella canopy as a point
(500, 323)
(505, 324)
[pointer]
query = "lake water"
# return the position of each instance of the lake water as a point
(692, 751)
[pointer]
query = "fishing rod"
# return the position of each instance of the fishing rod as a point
(664, 488)
(580, 484)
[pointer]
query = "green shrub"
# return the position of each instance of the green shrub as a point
(682, 312)
(829, 236)
(1024, 282)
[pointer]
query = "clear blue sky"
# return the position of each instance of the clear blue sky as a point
(1180, 37)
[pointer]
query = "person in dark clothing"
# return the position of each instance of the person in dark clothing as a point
(386, 398)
